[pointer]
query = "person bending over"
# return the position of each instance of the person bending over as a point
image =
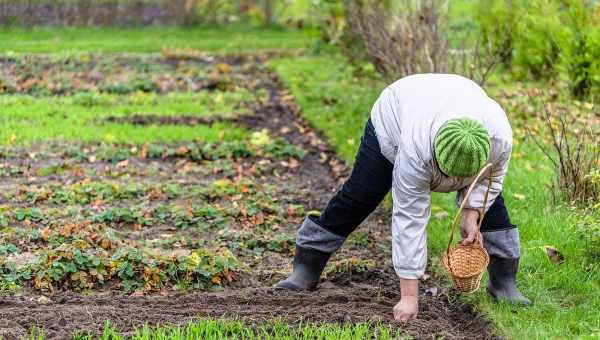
(426, 132)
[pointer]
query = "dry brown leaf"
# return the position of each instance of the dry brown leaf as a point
(554, 255)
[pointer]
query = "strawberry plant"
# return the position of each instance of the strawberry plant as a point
(31, 214)
(77, 265)
(3, 219)
(274, 243)
(351, 265)
(10, 275)
(137, 270)
(204, 269)
(121, 216)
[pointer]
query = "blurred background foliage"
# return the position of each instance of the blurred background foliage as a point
(151, 12)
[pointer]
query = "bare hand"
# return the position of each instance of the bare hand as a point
(468, 227)
(406, 309)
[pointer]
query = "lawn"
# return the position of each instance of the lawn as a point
(233, 39)
(146, 166)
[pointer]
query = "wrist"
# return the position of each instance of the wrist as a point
(410, 299)
(409, 288)
(471, 213)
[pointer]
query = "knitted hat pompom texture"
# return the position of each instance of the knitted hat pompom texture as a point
(462, 147)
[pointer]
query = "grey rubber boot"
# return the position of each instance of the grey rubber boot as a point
(502, 283)
(308, 266)
(314, 246)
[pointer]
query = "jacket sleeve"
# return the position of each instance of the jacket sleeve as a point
(499, 158)
(411, 195)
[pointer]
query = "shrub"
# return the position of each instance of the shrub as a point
(404, 40)
(587, 226)
(580, 59)
(408, 37)
(497, 21)
(575, 153)
(546, 39)
(538, 39)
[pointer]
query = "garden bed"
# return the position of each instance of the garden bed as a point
(169, 232)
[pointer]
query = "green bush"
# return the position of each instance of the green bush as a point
(531, 32)
(538, 39)
(580, 58)
(546, 39)
(587, 226)
(497, 20)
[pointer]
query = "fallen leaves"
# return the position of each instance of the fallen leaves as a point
(519, 197)
(554, 255)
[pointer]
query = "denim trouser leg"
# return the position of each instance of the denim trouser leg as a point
(369, 182)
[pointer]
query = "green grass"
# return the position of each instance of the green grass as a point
(26, 119)
(210, 329)
(566, 297)
(231, 39)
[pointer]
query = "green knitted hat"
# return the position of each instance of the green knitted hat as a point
(462, 147)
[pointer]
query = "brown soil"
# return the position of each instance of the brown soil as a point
(151, 119)
(344, 297)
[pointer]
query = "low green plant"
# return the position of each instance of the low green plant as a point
(587, 226)
(138, 270)
(3, 219)
(9, 275)
(351, 265)
(360, 239)
(259, 243)
(216, 329)
(204, 269)
(121, 216)
(31, 214)
(78, 265)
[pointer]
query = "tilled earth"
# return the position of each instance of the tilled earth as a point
(248, 202)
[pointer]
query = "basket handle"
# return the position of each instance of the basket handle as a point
(464, 202)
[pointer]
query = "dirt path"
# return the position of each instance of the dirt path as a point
(346, 296)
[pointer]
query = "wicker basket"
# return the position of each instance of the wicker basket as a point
(467, 263)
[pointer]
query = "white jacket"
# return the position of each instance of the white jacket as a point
(406, 117)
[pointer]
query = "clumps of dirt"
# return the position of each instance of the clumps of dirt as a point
(189, 120)
(65, 313)
(41, 75)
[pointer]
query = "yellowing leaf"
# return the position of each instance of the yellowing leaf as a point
(260, 138)
(441, 215)
(519, 197)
